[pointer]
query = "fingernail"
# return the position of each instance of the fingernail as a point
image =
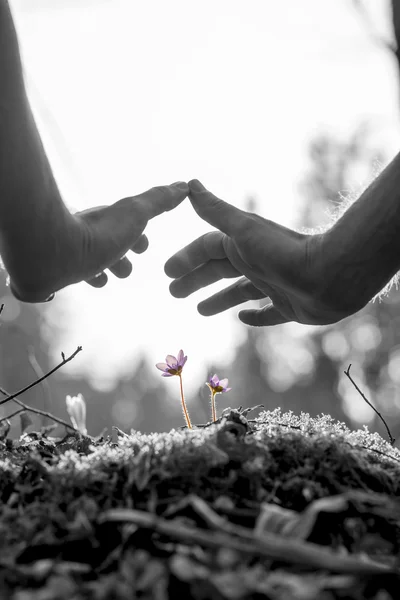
(196, 186)
(181, 185)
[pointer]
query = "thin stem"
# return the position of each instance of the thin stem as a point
(28, 387)
(347, 373)
(185, 410)
(14, 414)
(213, 406)
(37, 411)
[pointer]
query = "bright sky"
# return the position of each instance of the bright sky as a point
(133, 94)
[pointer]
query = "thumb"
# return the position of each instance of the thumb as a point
(268, 315)
(216, 212)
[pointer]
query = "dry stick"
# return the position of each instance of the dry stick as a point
(391, 439)
(271, 545)
(14, 414)
(36, 410)
(28, 387)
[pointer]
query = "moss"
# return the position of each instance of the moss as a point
(54, 494)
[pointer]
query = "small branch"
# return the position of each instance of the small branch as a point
(31, 385)
(272, 546)
(36, 411)
(14, 414)
(347, 373)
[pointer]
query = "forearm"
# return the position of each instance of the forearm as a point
(362, 250)
(31, 207)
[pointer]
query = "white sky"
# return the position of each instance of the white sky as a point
(133, 94)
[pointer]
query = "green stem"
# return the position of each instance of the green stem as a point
(184, 408)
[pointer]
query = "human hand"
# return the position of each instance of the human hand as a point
(83, 245)
(111, 231)
(277, 263)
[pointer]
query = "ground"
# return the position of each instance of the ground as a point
(275, 506)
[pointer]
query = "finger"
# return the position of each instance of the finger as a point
(268, 315)
(207, 247)
(237, 293)
(204, 275)
(122, 268)
(161, 199)
(216, 212)
(141, 244)
(99, 281)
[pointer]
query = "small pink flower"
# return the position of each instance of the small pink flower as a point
(172, 365)
(218, 386)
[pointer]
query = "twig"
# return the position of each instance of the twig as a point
(377, 451)
(391, 439)
(28, 387)
(37, 411)
(271, 545)
(14, 414)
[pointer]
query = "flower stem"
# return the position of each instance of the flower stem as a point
(185, 410)
(213, 406)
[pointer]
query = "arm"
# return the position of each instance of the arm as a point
(32, 213)
(361, 252)
(44, 247)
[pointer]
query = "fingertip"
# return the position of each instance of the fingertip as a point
(169, 268)
(246, 317)
(173, 291)
(141, 244)
(181, 186)
(196, 186)
(202, 310)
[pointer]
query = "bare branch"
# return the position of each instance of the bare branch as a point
(31, 385)
(391, 439)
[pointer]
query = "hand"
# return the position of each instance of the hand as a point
(97, 239)
(276, 262)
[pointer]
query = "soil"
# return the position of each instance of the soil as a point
(279, 507)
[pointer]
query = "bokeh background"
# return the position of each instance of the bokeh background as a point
(279, 108)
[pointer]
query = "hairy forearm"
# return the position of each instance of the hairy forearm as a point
(32, 212)
(362, 249)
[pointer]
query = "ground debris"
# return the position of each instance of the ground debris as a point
(280, 507)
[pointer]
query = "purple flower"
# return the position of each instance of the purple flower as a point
(218, 386)
(172, 365)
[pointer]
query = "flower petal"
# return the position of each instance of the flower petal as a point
(214, 380)
(166, 375)
(162, 366)
(183, 361)
(223, 382)
(227, 390)
(171, 360)
(180, 357)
